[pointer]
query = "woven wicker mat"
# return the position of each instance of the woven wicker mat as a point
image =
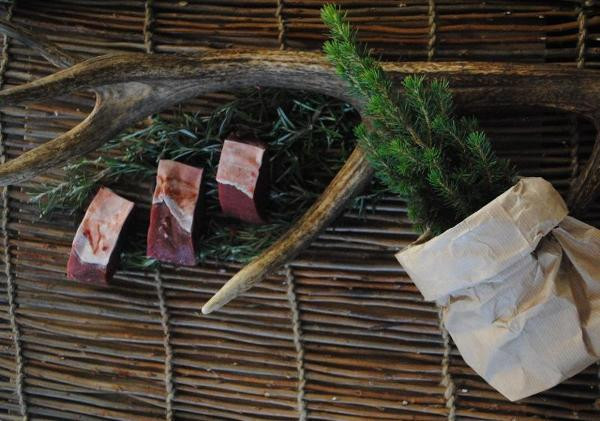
(342, 334)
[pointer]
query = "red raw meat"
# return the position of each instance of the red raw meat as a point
(242, 178)
(175, 205)
(94, 253)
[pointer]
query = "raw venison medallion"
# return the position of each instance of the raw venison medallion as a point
(94, 255)
(242, 180)
(175, 204)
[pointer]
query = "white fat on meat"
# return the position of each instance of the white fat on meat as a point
(239, 166)
(178, 187)
(99, 231)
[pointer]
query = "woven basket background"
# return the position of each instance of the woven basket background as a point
(344, 334)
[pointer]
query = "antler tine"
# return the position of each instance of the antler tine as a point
(126, 76)
(88, 75)
(49, 51)
(117, 107)
(348, 181)
(585, 188)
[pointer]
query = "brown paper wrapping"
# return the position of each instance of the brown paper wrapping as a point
(519, 283)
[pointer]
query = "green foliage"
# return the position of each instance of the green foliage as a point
(309, 136)
(442, 165)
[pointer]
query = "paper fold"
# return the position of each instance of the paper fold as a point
(488, 242)
(520, 284)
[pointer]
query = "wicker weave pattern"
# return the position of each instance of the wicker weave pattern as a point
(343, 334)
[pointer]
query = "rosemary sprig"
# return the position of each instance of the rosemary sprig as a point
(442, 165)
(309, 137)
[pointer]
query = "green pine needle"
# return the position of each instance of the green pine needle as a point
(442, 165)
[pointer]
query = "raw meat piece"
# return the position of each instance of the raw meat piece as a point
(94, 253)
(175, 205)
(242, 178)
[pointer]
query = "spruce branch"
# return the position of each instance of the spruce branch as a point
(442, 165)
(365, 76)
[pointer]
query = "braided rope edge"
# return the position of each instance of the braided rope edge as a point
(282, 37)
(297, 330)
(164, 319)
(432, 24)
(582, 34)
(10, 286)
(148, 25)
(447, 382)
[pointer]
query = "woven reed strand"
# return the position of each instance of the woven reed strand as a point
(10, 282)
(297, 330)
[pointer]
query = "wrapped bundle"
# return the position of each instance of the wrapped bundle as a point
(519, 282)
(175, 206)
(94, 253)
(242, 179)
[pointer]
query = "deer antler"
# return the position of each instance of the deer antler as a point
(129, 87)
(479, 84)
(49, 51)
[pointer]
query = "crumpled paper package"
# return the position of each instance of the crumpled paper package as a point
(519, 283)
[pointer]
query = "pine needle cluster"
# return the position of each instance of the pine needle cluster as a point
(309, 137)
(442, 165)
